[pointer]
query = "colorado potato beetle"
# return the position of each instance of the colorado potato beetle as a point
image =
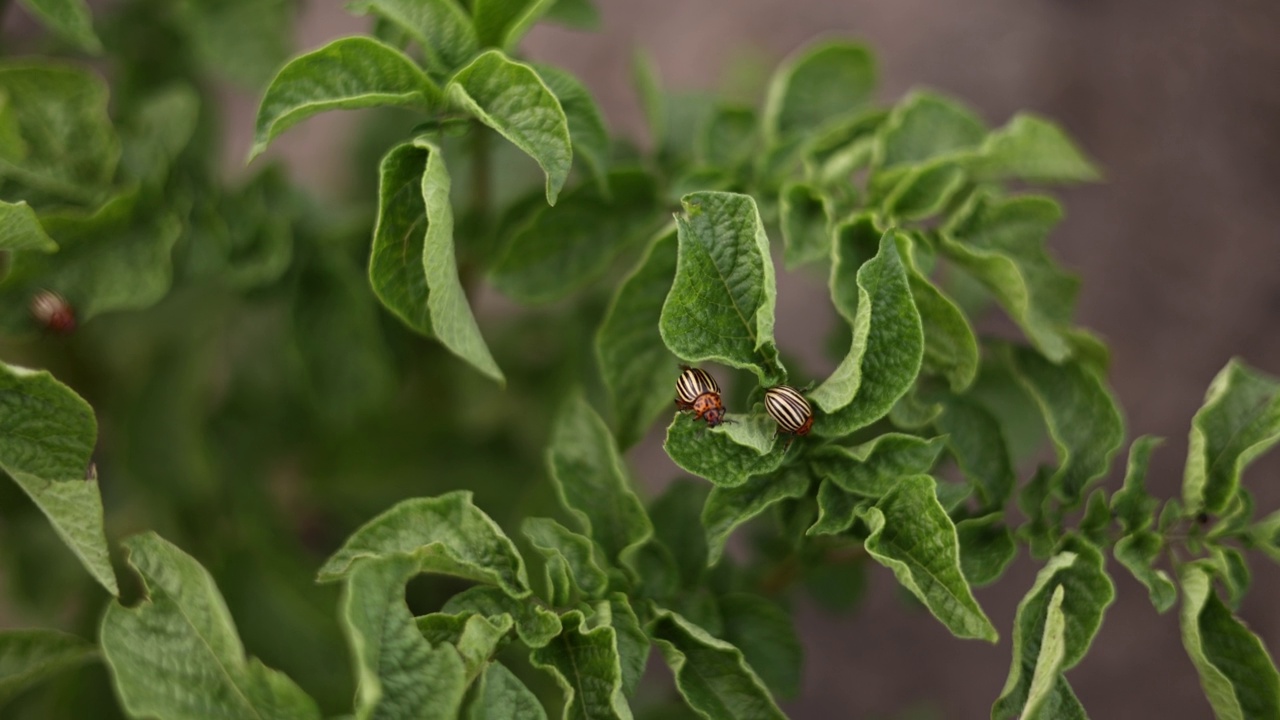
(789, 409)
(53, 312)
(697, 392)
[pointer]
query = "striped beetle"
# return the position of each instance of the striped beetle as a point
(789, 409)
(53, 312)
(697, 392)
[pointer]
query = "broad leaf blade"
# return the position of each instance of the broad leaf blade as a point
(561, 249)
(177, 654)
(450, 535)
(976, 441)
(817, 87)
(535, 625)
(70, 19)
(1237, 673)
(1078, 569)
(1131, 505)
(711, 674)
(475, 636)
(509, 97)
(399, 674)
(501, 696)
(1050, 697)
(28, 657)
(20, 229)
(728, 507)
(875, 467)
(1082, 416)
(55, 131)
(676, 525)
(636, 366)
(586, 665)
(912, 536)
(1001, 243)
(501, 23)
(395, 265)
(888, 342)
(764, 633)
(1033, 149)
(1240, 419)
(721, 304)
(451, 316)
(986, 548)
(587, 131)
(440, 27)
(925, 126)
(726, 455)
(349, 73)
(573, 553)
(47, 434)
(806, 214)
(591, 482)
(1138, 553)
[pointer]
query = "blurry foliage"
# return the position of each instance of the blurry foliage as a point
(262, 373)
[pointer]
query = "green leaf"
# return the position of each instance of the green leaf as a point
(70, 19)
(806, 215)
(399, 674)
(62, 139)
(177, 654)
(448, 535)
(986, 548)
(591, 482)
(711, 674)
(587, 131)
(764, 633)
(975, 440)
(1078, 569)
(721, 303)
(567, 553)
(110, 260)
(1082, 416)
(241, 40)
(346, 74)
(509, 97)
(727, 455)
(20, 229)
(501, 23)
(578, 14)
(396, 268)
(1240, 419)
(561, 249)
(912, 536)
(634, 363)
(677, 526)
(633, 643)
(440, 27)
(475, 636)
(1138, 552)
(584, 662)
(1237, 673)
(874, 468)
(817, 87)
(1033, 149)
(47, 435)
(501, 696)
(535, 624)
(924, 190)
(950, 346)
(728, 507)
(887, 347)
(1132, 507)
(1233, 570)
(1001, 243)
(28, 657)
(925, 126)
(729, 139)
(1050, 697)
(158, 130)
(837, 509)
(1096, 519)
(856, 241)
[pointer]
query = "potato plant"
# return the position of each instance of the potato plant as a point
(261, 415)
